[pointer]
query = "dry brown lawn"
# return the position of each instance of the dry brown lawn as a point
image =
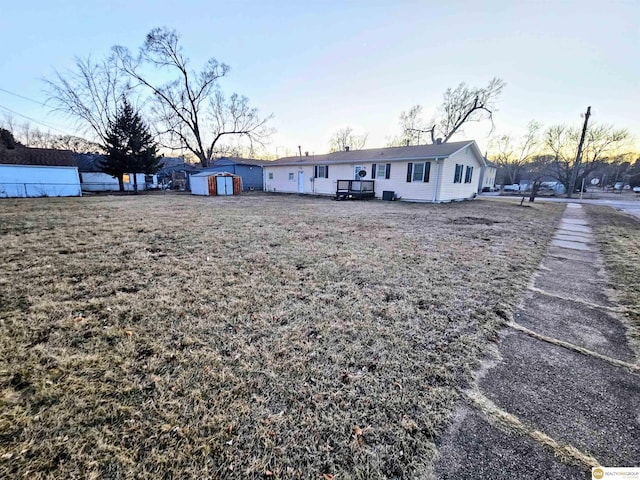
(618, 235)
(260, 336)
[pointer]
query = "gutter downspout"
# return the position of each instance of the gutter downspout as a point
(437, 185)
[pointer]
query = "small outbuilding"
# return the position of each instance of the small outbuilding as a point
(250, 170)
(215, 184)
(38, 172)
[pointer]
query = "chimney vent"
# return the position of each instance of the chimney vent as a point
(438, 141)
(306, 154)
(346, 149)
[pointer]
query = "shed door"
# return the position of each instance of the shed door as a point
(224, 185)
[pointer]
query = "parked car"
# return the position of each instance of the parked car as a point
(512, 188)
(636, 189)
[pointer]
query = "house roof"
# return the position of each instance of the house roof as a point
(175, 164)
(37, 156)
(212, 174)
(250, 162)
(88, 162)
(169, 162)
(441, 150)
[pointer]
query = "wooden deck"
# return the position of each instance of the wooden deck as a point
(355, 189)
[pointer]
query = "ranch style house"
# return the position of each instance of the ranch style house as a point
(441, 172)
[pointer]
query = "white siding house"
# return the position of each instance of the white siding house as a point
(423, 173)
(102, 182)
(94, 180)
(487, 178)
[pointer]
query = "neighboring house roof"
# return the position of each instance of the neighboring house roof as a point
(175, 164)
(37, 156)
(489, 163)
(169, 162)
(436, 150)
(212, 174)
(88, 162)
(250, 162)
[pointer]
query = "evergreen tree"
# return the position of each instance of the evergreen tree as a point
(7, 139)
(130, 147)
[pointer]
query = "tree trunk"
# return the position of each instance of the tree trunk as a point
(135, 183)
(121, 182)
(534, 191)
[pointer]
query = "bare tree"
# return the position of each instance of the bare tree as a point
(601, 142)
(89, 94)
(190, 108)
(345, 137)
(461, 105)
(465, 104)
(511, 155)
(412, 126)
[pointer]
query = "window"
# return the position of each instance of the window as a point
(382, 170)
(468, 175)
(270, 175)
(291, 177)
(148, 179)
(457, 178)
(321, 171)
(418, 172)
(125, 178)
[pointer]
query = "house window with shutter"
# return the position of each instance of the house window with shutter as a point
(381, 170)
(321, 171)
(457, 178)
(418, 172)
(468, 175)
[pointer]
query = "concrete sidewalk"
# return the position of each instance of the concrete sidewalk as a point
(563, 393)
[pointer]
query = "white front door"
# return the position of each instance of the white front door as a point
(300, 182)
(356, 169)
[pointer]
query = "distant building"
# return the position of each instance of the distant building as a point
(248, 169)
(487, 181)
(93, 179)
(175, 172)
(38, 172)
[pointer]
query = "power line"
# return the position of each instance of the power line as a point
(22, 96)
(34, 120)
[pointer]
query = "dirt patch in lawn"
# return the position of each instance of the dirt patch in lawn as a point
(618, 236)
(261, 336)
(473, 221)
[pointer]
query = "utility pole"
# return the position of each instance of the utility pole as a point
(576, 166)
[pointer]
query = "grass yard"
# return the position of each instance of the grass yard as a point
(618, 236)
(261, 336)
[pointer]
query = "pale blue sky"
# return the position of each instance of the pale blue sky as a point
(322, 65)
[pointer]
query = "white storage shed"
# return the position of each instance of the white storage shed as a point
(38, 172)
